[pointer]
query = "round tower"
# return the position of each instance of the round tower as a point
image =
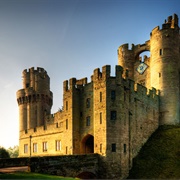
(164, 67)
(126, 60)
(35, 99)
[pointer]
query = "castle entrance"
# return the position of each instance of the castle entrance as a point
(88, 144)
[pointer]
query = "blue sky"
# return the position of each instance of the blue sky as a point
(69, 38)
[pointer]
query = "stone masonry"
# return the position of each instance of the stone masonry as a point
(112, 116)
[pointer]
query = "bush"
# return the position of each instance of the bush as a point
(4, 153)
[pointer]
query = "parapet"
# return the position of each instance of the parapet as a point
(36, 78)
(126, 47)
(135, 50)
(172, 22)
(169, 23)
(73, 82)
(32, 70)
(82, 81)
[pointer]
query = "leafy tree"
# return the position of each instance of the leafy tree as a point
(4, 153)
(13, 152)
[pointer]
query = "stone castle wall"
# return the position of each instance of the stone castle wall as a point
(136, 110)
(110, 115)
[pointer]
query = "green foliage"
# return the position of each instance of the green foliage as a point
(26, 175)
(4, 153)
(13, 152)
(159, 157)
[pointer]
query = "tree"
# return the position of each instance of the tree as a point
(4, 153)
(13, 152)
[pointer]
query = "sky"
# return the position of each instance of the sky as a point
(68, 38)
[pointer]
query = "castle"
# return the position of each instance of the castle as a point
(110, 115)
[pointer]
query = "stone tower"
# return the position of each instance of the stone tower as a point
(161, 70)
(35, 99)
(164, 64)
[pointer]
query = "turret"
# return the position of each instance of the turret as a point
(126, 59)
(164, 63)
(35, 99)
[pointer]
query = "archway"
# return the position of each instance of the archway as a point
(139, 55)
(87, 144)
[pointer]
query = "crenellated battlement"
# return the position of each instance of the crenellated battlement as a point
(128, 56)
(32, 70)
(73, 82)
(43, 130)
(115, 113)
(105, 75)
(170, 23)
(126, 47)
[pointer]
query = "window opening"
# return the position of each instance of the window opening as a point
(58, 145)
(113, 147)
(25, 148)
(113, 95)
(113, 115)
(34, 147)
(88, 102)
(44, 146)
(88, 121)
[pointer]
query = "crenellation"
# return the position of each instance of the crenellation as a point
(72, 83)
(106, 71)
(155, 30)
(65, 86)
(112, 115)
(97, 74)
(82, 81)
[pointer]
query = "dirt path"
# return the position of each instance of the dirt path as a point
(13, 169)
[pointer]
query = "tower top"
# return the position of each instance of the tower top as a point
(171, 22)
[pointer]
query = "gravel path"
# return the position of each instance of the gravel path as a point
(13, 169)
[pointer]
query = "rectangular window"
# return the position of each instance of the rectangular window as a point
(44, 146)
(58, 145)
(25, 148)
(88, 121)
(66, 105)
(113, 147)
(113, 115)
(161, 52)
(88, 102)
(100, 117)
(81, 114)
(66, 149)
(124, 148)
(124, 96)
(100, 148)
(34, 147)
(113, 95)
(66, 123)
(100, 97)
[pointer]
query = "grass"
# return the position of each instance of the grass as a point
(28, 175)
(160, 156)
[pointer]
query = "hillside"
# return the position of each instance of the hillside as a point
(160, 156)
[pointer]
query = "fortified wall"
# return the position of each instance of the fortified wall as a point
(112, 116)
(161, 71)
(108, 111)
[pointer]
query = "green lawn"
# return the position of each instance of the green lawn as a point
(27, 175)
(160, 156)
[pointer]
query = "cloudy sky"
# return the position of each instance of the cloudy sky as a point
(69, 38)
